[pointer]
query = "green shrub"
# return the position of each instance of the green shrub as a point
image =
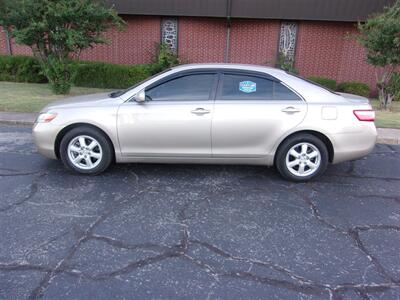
(20, 69)
(325, 82)
(59, 73)
(394, 86)
(284, 64)
(354, 87)
(84, 73)
(104, 75)
(164, 58)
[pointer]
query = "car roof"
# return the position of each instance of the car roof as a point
(243, 67)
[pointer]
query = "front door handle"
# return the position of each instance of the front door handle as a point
(291, 110)
(200, 111)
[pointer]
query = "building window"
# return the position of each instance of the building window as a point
(287, 41)
(169, 33)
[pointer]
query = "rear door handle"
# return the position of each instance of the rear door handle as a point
(291, 110)
(200, 111)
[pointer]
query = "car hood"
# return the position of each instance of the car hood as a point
(354, 98)
(80, 101)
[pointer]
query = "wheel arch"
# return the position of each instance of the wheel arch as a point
(68, 128)
(328, 143)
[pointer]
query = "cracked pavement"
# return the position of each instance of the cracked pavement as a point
(196, 231)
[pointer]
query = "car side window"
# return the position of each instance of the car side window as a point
(247, 87)
(281, 92)
(189, 87)
(244, 87)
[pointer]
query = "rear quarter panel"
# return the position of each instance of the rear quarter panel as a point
(351, 139)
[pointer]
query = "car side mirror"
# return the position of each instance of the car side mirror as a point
(140, 97)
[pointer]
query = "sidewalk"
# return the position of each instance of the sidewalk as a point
(385, 135)
(389, 136)
(15, 118)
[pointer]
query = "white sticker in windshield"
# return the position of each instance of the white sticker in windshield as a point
(247, 87)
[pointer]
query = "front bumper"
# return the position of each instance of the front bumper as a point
(44, 136)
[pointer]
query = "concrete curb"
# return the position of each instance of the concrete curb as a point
(16, 118)
(388, 141)
(385, 135)
(16, 122)
(388, 136)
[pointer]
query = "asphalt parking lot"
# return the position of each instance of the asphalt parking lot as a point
(193, 231)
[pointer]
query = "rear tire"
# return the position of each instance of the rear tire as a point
(86, 150)
(302, 157)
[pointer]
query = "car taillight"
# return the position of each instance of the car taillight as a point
(366, 115)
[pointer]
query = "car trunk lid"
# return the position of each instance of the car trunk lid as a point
(356, 99)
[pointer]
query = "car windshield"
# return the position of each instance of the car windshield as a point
(116, 94)
(312, 82)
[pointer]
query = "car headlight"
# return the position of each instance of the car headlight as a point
(46, 117)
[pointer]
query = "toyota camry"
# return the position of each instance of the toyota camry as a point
(210, 114)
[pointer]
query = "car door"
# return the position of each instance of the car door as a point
(252, 111)
(175, 120)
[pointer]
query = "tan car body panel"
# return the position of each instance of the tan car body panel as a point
(101, 114)
(238, 132)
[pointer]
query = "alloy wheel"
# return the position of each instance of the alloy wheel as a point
(85, 152)
(303, 159)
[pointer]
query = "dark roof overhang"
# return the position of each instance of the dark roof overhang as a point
(321, 10)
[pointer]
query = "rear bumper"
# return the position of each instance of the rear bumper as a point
(351, 146)
(44, 136)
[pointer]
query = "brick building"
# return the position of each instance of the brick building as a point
(315, 34)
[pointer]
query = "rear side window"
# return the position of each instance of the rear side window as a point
(281, 92)
(244, 87)
(189, 87)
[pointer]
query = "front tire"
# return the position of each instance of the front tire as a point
(86, 150)
(301, 158)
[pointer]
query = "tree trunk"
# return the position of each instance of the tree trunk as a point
(383, 77)
(389, 99)
(382, 97)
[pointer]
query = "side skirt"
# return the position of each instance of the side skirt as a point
(266, 161)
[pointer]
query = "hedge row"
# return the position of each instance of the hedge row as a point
(352, 87)
(103, 75)
(20, 69)
(86, 74)
(326, 82)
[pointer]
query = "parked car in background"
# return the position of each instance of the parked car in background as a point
(210, 113)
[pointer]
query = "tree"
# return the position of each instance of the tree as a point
(380, 35)
(57, 31)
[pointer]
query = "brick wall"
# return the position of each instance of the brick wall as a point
(16, 49)
(201, 39)
(323, 48)
(327, 49)
(135, 45)
(254, 41)
(204, 40)
(3, 42)
(20, 49)
(354, 66)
